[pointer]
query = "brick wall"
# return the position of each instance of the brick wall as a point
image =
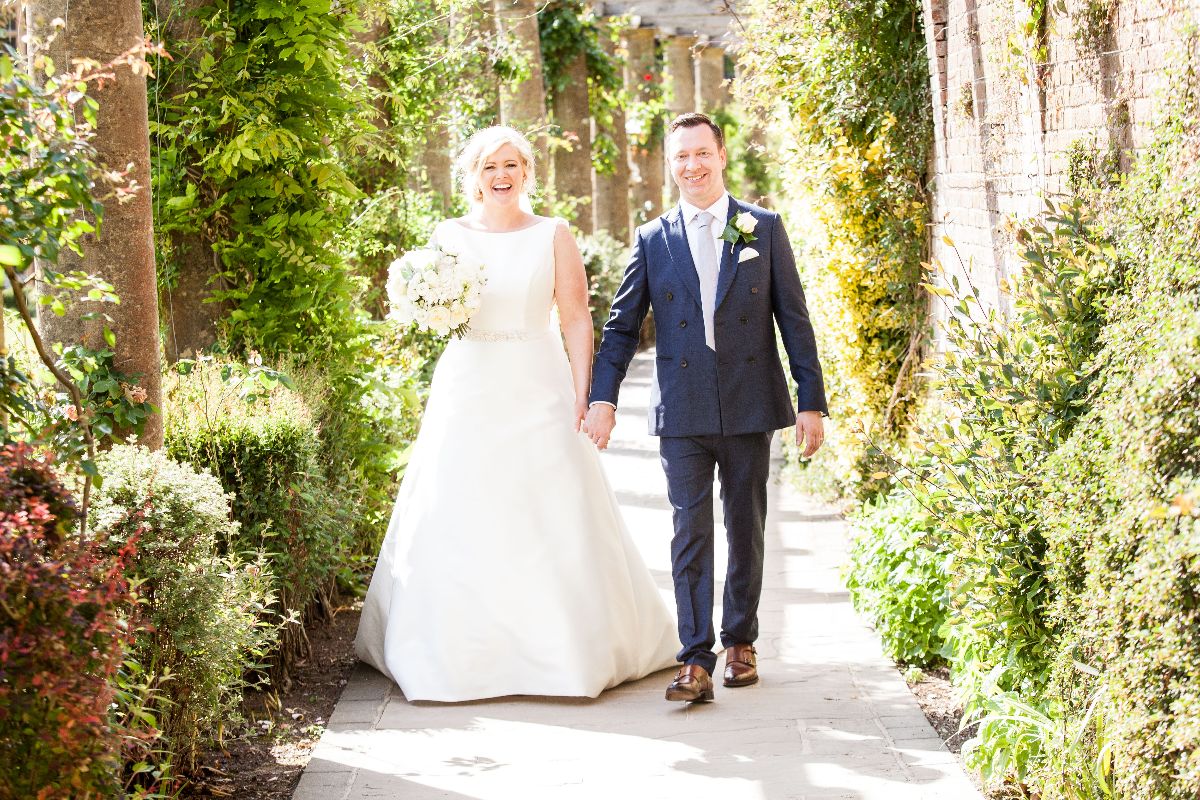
(1009, 125)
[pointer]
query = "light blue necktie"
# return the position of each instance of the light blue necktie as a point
(707, 268)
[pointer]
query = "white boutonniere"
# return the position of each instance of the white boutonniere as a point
(747, 254)
(740, 228)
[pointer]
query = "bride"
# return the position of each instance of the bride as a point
(506, 568)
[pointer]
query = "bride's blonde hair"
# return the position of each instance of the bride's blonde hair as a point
(485, 142)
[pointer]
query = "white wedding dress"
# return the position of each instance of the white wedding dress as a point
(507, 568)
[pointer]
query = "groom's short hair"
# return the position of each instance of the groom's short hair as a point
(694, 119)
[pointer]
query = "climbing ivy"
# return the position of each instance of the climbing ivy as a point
(568, 28)
(847, 84)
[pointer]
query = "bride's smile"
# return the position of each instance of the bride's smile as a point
(502, 176)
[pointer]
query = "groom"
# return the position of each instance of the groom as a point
(720, 276)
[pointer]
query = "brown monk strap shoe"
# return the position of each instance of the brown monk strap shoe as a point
(691, 683)
(741, 665)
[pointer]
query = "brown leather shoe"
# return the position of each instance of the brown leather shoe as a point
(691, 683)
(741, 665)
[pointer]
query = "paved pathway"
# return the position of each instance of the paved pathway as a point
(831, 717)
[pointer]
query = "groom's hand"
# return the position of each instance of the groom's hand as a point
(601, 418)
(810, 432)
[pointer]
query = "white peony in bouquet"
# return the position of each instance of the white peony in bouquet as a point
(435, 288)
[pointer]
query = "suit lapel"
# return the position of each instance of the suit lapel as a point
(680, 254)
(729, 252)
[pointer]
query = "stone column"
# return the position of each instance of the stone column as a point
(610, 192)
(642, 78)
(523, 105)
(573, 160)
(712, 95)
(681, 92)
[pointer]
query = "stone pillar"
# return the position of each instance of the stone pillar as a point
(681, 92)
(523, 105)
(642, 78)
(573, 160)
(610, 192)
(712, 95)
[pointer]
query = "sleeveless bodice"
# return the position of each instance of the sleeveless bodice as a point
(519, 266)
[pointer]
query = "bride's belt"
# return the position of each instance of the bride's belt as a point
(503, 336)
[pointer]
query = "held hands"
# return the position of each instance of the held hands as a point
(580, 412)
(810, 432)
(599, 423)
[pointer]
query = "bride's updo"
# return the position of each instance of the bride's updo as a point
(485, 142)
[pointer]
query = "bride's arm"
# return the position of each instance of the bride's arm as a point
(571, 295)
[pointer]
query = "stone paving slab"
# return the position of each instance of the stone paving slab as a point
(831, 717)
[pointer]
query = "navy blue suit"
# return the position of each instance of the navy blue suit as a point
(715, 410)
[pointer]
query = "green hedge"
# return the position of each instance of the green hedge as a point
(198, 616)
(897, 578)
(259, 439)
(1063, 471)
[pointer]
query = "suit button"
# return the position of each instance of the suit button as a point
(670, 296)
(683, 323)
(742, 320)
(750, 360)
(683, 363)
(753, 290)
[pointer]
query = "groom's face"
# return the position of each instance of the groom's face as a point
(697, 164)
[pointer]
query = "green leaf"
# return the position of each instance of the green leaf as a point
(10, 255)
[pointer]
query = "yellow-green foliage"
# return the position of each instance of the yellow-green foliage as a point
(844, 83)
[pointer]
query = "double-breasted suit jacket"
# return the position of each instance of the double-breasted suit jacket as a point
(741, 387)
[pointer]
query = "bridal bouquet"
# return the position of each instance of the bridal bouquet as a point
(437, 289)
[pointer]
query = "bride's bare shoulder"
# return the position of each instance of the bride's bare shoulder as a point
(459, 222)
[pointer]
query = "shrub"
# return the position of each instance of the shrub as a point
(61, 643)
(604, 260)
(1123, 493)
(852, 82)
(897, 578)
(201, 601)
(1068, 480)
(259, 439)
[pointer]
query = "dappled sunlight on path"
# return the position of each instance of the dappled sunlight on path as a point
(831, 717)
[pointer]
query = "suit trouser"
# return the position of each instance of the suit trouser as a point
(743, 465)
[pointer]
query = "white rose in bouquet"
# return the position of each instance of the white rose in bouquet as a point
(439, 320)
(439, 290)
(458, 314)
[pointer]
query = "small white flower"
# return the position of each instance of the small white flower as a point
(745, 222)
(746, 254)
(402, 309)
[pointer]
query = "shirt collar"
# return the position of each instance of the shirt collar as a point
(719, 210)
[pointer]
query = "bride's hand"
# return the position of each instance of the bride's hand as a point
(581, 408)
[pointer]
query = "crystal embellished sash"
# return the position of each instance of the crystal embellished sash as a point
(502, 336)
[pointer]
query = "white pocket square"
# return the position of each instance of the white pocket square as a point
(747, 254)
